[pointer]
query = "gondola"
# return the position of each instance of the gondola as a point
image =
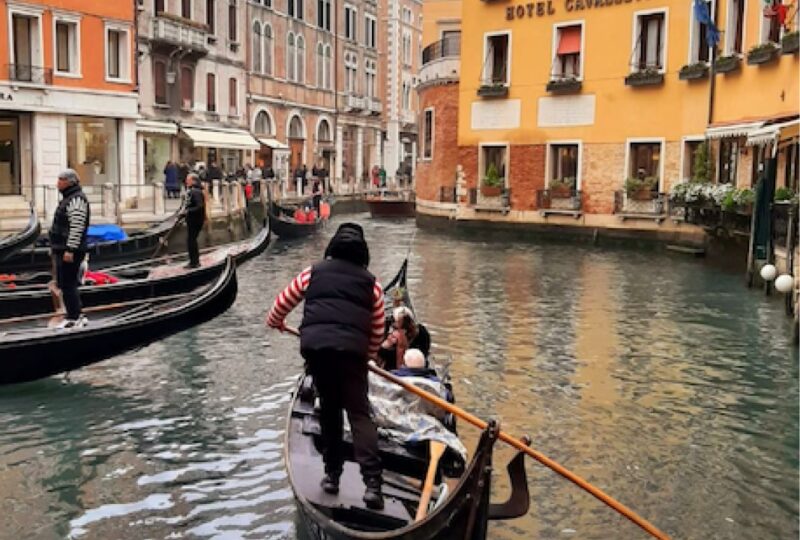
(286, 228)
(31, 350)
(139, 280)
(138, 245)
(9, 245)
(461, 507)
(391, 205)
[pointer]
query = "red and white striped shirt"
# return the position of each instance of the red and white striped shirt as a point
(295, 292)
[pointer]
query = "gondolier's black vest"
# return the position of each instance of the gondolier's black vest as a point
(59, 230)
(338, 308)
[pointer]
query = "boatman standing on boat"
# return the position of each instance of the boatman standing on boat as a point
(342, 328)
(195, 213)
(68, 244)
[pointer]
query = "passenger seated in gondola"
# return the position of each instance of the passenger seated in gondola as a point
(300, 216)
(416, 365)
(404, 334)
(311, 215)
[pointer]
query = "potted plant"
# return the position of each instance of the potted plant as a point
(693, 72)
(564, 85)
(784, 194)
(790, 43)
(641, 189)
(561, 189)
(727, 64)
(645, 77)
(761, 54)
(492, 185)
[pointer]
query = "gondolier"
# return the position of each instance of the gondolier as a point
(343, 322)
(68, 243)
(195, 212)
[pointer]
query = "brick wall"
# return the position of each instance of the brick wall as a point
(441, 169)
(602, 174)
(526, 167)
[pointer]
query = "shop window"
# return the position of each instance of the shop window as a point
(267, 65)
(158, 6)
(427, 134)
(187, 88)
(772, 17)
(644, 160)
(324, 14)
(160, 78)
(728, 161)
(117, 54)
(92, 149)
(233, 32)
(735, 26)
(233, 97)
(300, 58)
(257, 48)
(26, 49)
(495, 67)
(211, 93)
(699, 39)
(211, 16)
(567, 62)
(67, 54)
(263, 126)
(350, 22)
(564, 164)
(649, 49)
(370, 29)
(296, 9)
(186, 9)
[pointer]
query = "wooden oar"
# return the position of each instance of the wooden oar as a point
(436, 450)
(519, 445)
(164, 240)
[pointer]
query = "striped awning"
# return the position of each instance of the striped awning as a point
(773, 133)
(275, 144)
(235, 139)
(732, 130)
(152, 126)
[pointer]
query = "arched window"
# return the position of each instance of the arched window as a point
(301, 59)
(160, 76)
(263, 126)
(320, 61)
(328, 60)
(267, 49)
(290, 57)
(257, 66)
(324, 131)
(296, 128)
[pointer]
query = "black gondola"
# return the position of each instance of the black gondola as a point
(460, 512)
(286, 228)
(11, 244)
(30, 350)
(144, 280)
(138, 245)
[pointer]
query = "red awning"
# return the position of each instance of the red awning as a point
(570, 40)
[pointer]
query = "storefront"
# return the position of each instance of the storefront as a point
(10, 174)
(226, 147)
(92, 149)
(157, 141)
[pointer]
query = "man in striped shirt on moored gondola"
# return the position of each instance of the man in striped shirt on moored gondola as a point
(342, 328)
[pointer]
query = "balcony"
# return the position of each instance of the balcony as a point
(449, 47)
(29, 74)
(171, 32)
(441, 61)
(561, 201)
(641, 205)
(353, 103)
(373, 105)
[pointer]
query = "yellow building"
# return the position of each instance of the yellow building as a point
(587, 112)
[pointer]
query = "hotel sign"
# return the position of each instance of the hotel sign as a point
(540, 9)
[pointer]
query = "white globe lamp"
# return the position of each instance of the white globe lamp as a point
(784, 283)
(768, 272)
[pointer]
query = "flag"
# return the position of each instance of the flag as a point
(704, 17)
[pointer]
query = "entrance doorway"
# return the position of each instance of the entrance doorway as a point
(9, 156)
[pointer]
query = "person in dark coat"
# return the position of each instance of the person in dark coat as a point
(171, 180)
(342, 328)
(195, 213)
(68, 244)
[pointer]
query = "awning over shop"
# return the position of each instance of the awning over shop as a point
(774, 133)
(235, 139)
(275, 144)
(151, 126)
(732, 130)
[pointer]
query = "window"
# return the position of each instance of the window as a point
(324, 14)
(324, 131)
(26, 49)
(699, 39)
(406, 96)
(160, 78)
(186, 9)
(187, 88)
(296, 128)
(290, 57)
(296, 9)
(350, 69)
(263, 126)
(328, 62)
(350, 22)
(772, 16)
(301, 59)
(370, 68)
(232, 29)
(117, 51)
(493, 156)
(690, 153)
(370, 29)
(735, 27)
(567, 62)
(728, 161)
(67, 55)
(791, 171)
(267, 65)
(564, 164)
(320, 63)
(211, 92)
(257, 66)
(233, 97)
(495, 69)
(649, 49)
(406, 47)
(427, 134)
(158, 6)
(759, 163)
(406, 15)
(644, 160)
(210, 16)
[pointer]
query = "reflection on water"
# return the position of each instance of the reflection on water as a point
(665, 383)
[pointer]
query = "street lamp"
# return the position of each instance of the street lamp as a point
(768, 272)
(784, 283)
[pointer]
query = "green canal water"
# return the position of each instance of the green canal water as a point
(662, 381)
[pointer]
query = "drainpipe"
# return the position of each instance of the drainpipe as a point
(335, 77)
(136, 45)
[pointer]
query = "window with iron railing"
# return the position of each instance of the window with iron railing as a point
(448, 46)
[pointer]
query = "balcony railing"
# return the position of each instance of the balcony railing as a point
(651, 204)
(373, 105)
(354, 103)
(29, 74)
(567, 200)
(176, 31)
(446, 47)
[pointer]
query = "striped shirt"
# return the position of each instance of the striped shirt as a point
(295, 292)
(77, 215)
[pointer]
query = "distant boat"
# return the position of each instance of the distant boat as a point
(9, 245)
(392, 204)
(286, 227)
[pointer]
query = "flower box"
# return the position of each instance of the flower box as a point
(491, 191)
(493, 90)
(644, 194)
(564, 86)
(790, 43)
(693, 72)
(644, 78)
(762, 54)
(560, 192)
(727, 64)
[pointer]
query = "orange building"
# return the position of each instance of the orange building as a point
(67, 96)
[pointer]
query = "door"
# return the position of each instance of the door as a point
(9, 156)
(296, 153)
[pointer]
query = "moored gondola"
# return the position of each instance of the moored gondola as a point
(31, 350)
(391, 205)
(460, 507)
(13, 243)
(286, 227)
(139, 281)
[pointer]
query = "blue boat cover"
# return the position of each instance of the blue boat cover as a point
(104, 233)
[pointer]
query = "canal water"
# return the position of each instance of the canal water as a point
(662, 381)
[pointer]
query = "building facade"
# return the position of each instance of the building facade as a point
(564, 108)
(67, 96)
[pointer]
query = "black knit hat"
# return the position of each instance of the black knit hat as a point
(348, 244)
